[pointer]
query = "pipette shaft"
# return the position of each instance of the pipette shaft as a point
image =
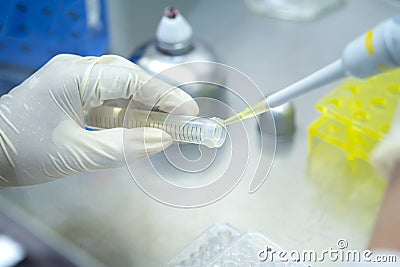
(328, 74)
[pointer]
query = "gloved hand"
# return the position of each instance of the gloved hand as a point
(42, 135)
(386, 156)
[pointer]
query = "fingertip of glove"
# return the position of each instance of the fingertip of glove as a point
(65, 57)
(177, 101)
(189, 107)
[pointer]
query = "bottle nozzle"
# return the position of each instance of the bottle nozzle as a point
(174, 33)
(171, 12)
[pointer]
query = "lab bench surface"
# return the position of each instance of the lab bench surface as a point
(108, 215)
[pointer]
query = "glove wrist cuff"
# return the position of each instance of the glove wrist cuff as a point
(7, 171)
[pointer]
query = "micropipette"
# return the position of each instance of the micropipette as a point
(376, 51)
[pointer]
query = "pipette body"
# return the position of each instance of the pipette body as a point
(376, 51)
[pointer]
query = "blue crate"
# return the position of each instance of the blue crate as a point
(33, 31)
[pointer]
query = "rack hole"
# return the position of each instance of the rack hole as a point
(49, 32)
(75, 35)
(394, 89)
(73, 15)
(357, 104)
(385, 128)
(352, 89)
(361, 115)
(26, 48)
(333, 103)
(47, 11)
(22, 28)
(21, 8)
(378, 102)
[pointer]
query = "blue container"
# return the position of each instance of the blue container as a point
(33, 31)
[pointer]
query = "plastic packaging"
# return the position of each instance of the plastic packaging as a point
(206, 131)
(222, 245)
(206, 247)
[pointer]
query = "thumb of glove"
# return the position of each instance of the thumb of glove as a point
(79, 150)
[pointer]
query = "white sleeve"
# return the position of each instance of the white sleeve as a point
(386, 155)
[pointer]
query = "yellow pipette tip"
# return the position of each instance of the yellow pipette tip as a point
(250, 112)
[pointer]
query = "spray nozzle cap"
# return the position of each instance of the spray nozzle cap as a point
(174, 33)
(171, 12)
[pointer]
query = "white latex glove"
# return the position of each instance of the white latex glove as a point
(386, 156)
(42, 135)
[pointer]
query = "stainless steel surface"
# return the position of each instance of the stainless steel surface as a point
(105, 212)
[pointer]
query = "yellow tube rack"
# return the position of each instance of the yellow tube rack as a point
(357, 114)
